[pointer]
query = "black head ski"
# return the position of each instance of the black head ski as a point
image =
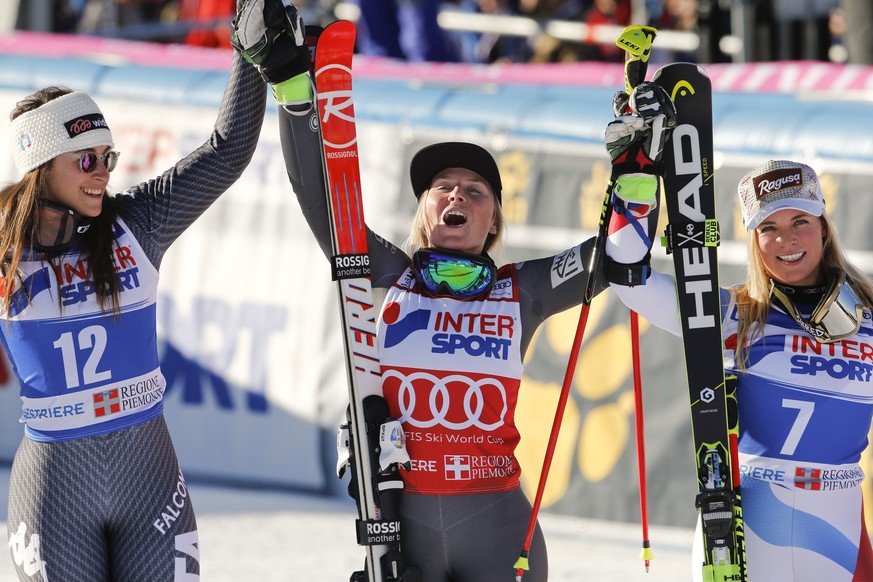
(692, 238)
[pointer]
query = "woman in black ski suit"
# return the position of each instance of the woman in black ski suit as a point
(452, 335)
(96, 492)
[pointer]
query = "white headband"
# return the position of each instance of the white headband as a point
(69, 123)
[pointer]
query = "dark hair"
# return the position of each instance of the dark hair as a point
(18, 211)
(41, 97)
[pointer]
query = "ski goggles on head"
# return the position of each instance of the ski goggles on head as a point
(837, 316)
(88, 160)
(452, 274)
(57, 226)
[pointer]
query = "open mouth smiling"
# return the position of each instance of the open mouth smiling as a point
(792, 257)
(454, 218)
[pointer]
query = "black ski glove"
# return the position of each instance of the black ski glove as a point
(644, 119)
(270, 34)
(647, 100)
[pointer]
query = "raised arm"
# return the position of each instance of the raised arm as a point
(301, 149)
(270, 35)
(161, 209)
(635, 142)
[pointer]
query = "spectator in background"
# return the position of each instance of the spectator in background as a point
(838, 52)
(614, 12)
(402, 29)
(547, 48)
(217, 12)
(859, 30)
(680, 15)
(554, 9)
(98, 15)
(64, 16)
(487, 47)
(714, 23)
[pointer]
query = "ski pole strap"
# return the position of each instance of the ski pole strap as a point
(691, 235)
(628, 275)
(629, 210)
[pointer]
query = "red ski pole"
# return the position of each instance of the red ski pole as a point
(646, 553)
(637, 41)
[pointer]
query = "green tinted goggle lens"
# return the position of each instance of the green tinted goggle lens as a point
(443, 273)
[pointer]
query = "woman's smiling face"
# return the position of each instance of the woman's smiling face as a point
(791, 243)
(460, 211)
(70, 186)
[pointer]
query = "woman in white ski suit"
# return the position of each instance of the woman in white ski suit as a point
(799, 337)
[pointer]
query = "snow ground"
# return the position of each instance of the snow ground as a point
(268, 536)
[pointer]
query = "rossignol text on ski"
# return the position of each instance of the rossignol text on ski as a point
(374, 441)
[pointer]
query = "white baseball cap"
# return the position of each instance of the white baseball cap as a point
(776, 185)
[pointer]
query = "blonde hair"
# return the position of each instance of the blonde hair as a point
(418, 233)
(753, 295)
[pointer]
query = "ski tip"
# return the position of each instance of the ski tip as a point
(679, 66)
(342, 27)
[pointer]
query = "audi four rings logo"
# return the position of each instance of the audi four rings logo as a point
(443, 403)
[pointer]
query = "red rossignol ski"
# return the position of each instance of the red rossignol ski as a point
(375, 490)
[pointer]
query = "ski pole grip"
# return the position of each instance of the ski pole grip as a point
(636, 41)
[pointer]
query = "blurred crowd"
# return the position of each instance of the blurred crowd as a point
(151, 19)
(824, 30)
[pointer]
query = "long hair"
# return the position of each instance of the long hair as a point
(418, 237)
(753, 295)
(18, 216)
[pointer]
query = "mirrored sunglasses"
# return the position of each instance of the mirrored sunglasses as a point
(449, 274)
(840, 311)
(88, 160)
(837, 316)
